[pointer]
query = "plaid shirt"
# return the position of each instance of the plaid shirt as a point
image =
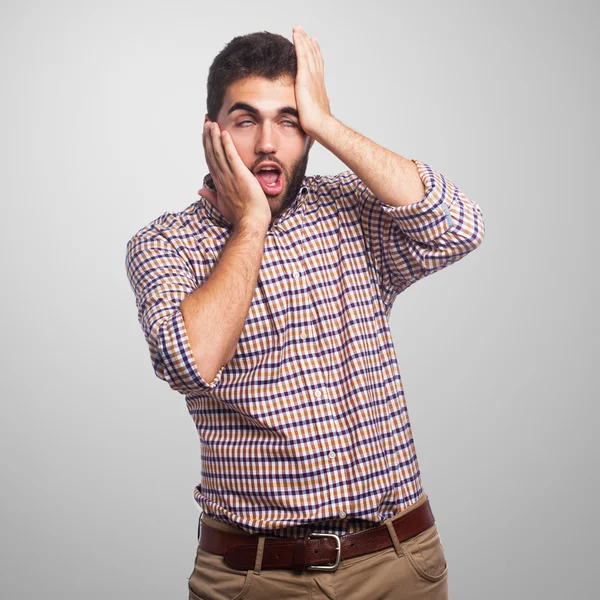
(306, 428)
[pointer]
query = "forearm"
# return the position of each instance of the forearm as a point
(215, 313)
(392, 178)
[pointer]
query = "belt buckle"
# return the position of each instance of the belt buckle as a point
(338, 548)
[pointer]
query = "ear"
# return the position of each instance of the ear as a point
(209, 195)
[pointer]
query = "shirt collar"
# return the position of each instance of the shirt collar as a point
(283, 222)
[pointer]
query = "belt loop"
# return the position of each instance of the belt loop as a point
(390, 522)
(390, 525)
(259, 554)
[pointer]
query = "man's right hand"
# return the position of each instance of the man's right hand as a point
(239, 195)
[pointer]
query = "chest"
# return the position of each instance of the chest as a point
(315, 287)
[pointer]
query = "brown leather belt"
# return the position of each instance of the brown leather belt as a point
(320, 551)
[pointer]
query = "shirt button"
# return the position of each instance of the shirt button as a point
(342, 514)
(317, 394)
(303, 336)
(332, 454)
(296, 275)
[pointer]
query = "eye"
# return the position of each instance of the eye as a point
(287, 122)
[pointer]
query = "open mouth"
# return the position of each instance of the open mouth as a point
(270, 178)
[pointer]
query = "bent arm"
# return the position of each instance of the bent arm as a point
(192, 330)
(215, 313)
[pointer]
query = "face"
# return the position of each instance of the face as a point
(262, 119)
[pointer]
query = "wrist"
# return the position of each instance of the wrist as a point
(325, 130)
(253, 224)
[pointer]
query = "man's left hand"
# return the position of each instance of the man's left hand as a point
(311, 97)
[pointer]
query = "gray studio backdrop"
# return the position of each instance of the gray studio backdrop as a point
(102, 108)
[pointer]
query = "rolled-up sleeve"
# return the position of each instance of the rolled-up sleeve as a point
(161, 279)
(412, 241)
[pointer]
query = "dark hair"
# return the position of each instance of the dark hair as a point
(260, 54)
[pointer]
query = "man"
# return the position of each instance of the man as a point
(266, 304)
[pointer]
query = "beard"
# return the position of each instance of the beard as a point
(291, 190)
(293, 186)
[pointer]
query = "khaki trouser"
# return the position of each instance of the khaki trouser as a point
(415, 569)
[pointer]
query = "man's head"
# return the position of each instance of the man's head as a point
(250, 93)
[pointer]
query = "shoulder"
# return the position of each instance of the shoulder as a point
(314, 182)
(178, 228)
(339, 188)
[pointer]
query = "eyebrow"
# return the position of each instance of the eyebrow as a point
(285, 110)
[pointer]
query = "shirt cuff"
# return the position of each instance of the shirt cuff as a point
(430, 217)
(178, 364)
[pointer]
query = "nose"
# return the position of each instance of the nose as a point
(267, 140)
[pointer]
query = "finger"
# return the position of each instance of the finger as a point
(213, 167)
(313, 53)
(235, 161)
(319, 55)
(303, 49)
(298, 47)
(218, 150)
(310, 52)
(221, 171)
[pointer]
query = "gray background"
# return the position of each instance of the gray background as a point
(102, 107)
